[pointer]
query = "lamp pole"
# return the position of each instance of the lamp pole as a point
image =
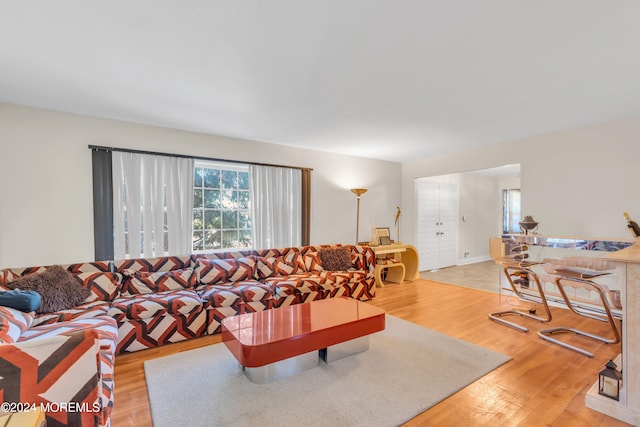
(358, 192)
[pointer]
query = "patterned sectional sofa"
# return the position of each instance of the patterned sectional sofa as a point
(68, 356)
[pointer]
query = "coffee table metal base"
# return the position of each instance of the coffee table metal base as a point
(282, 368)
(344, 349)
(298, 364)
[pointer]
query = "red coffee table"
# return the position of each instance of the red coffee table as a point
(281, 342)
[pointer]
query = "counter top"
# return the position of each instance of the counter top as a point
(628, 255)
(570, 242)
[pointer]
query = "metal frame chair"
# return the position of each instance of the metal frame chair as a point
(517, 264)
(572, 273)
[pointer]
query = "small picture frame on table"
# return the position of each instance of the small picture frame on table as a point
(385, 240)
(384, 235)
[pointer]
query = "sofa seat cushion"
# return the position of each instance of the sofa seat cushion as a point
(302, 283)
(319, 277)
(106, 327)
(351, 276)
(146, 306)
(13, 323)
(84, 311)
(236, 294)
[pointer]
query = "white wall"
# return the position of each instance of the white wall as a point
(480, 206)
(46, 183)
(575, 182)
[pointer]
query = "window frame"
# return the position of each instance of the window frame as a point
(221, 166)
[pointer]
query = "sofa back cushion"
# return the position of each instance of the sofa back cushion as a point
(10, 274)
(103, 286)
(144, 282)
(311, 262)
(167, 263)
(284, 265)
(13, 323)
(216, 271)
(362, 257)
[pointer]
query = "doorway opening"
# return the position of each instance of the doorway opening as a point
(481, 204)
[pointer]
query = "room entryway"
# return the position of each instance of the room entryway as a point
(437, 224)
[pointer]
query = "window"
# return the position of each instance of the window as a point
(511, 211)
(221, 206)
(140, 198)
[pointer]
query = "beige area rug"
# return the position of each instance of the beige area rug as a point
(407, 369)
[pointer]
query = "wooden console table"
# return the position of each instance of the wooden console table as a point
(405, 266)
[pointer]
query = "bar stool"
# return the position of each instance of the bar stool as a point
(526, 287)
(572, 275)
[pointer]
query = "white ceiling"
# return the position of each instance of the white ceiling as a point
(387, 79)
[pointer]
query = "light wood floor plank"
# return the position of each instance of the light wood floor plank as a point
(544, 384)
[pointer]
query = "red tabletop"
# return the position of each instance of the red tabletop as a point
(264, 337)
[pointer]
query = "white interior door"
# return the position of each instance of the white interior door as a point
(437, 224)
(448, 253)
(428, 223)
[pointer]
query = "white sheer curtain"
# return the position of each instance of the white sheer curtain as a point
(276, 206)
(511, 211)
(152, 201)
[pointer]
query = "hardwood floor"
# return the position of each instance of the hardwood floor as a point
(543, 385)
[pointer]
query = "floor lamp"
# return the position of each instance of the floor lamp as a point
(358, 192)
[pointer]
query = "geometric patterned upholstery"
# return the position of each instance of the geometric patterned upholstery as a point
(155, 264)
(134, 335)
(214, 271)
(13, 323)
(303, 283)
(350, 276)
(167, 299)
(362, 257)
(215, 316)
(104, 286)
(105, 327)
(230, 299)
(143, 282)
(147, 306)
(67, 361)
(74, 363)
(311, 261)
(83, 311)
(278, 266)
(363, 290)
(243, 296)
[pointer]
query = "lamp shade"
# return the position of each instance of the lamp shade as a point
(358, 191)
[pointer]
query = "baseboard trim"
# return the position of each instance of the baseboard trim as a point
(466, 261)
